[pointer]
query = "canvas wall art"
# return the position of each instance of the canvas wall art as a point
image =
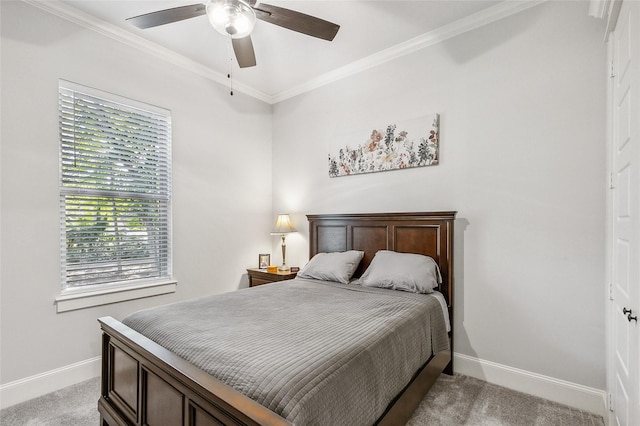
(414, 143)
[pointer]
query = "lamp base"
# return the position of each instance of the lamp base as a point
(284, 268)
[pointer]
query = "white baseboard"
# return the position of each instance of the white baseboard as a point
(557, 390)
(31, 387)
(567, 393)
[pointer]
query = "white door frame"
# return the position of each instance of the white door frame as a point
(612, 310)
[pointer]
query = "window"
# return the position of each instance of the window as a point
(115, 190)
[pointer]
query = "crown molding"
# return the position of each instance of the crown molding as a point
(612, 13)
(597, 8)
(471, 22)
(607, 10)
(83, 19)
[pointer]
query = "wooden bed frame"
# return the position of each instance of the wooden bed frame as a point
(145, 384)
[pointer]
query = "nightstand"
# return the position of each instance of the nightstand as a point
(261, 276)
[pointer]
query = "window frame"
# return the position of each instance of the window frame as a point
(82, 296)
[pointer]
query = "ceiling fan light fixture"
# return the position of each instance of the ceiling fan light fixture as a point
(233, 18)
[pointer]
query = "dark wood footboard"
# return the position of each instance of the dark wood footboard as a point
(145, 384)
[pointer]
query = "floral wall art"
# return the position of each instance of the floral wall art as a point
(413, 143)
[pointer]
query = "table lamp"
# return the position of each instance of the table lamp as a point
(283, 227)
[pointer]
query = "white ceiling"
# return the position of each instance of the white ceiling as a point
(288, 62)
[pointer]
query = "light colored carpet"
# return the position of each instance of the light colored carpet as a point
(75, 405)
(462, 400)
(453, 400)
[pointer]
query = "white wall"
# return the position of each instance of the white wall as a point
(522, 104)
(221, 182)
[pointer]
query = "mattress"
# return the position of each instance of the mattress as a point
(314, 352)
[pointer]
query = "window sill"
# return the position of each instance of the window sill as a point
(72, 302)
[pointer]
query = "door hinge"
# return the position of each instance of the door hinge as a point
(611, 73)
(611, 185)
(610, 291)
(610, 401)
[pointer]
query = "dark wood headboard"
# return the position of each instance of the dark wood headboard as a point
(428, 233)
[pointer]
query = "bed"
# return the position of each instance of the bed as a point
(144, 382)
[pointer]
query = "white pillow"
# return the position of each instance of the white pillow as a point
(402, 271)
(337, 266)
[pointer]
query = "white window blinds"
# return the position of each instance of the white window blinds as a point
(115, 189)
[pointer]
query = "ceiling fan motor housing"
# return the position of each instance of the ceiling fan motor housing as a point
(233, 18)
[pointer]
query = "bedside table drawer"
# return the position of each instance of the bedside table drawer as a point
(258, 281)
(261, 276)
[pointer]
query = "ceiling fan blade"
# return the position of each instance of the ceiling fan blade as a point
(243, 48)
(296, 21)
(168, 16)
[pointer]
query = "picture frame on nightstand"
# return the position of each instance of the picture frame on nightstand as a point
(264, 260)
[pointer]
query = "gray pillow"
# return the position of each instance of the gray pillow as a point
(337, 266)
(402, 271)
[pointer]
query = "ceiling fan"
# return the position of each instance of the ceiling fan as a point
(236, 18)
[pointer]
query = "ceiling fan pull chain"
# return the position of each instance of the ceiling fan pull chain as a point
(229, 76)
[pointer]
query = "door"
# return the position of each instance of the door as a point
(625, 244)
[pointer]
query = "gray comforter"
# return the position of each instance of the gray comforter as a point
(314, 352)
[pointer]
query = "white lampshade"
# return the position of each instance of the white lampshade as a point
(283, 225)
(233, 18)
